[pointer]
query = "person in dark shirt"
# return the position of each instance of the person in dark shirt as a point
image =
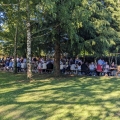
(84, 69)
(49, 67)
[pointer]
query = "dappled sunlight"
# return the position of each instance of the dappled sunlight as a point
(112, 95)
(11, 111)
(76, 98)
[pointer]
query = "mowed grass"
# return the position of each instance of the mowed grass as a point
(64, 98)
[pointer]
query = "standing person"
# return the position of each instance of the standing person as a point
(70, 61)
(10, 65)
(18, 58)
(76, 60)
(24, 60)
(18, 66)
(100, 62)
(22, 66)
(39, 67)
(67, 67)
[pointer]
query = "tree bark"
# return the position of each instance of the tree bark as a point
(16, 40)
(29, 72)
(57, 59)
(15, 50)
(116, 59)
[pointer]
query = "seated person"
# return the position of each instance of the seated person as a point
(73, 67)
(106, 69)
(44, 67)
(92, 68)
(7, 65)
(50, 67)
(62, 67)
(67, 69)
(113, 69)
(84, 69)
(79, 68)
(99, 69)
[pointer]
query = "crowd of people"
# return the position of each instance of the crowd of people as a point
(77, 66)
(67, 66)
(38, 64)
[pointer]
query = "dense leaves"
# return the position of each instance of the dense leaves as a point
(76, 26)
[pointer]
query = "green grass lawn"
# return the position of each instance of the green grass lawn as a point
(65, 98)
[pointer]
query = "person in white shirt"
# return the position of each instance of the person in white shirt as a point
(73, 68)
(106, 68)
(39, 67)
(24, 60)
(79, 68)
(92, 68)
(44, 67)
(62, 68)
(18, 59)
(22, 66)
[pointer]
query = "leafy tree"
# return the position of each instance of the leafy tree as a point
(61, 17)
(97, 31)
(76, 27)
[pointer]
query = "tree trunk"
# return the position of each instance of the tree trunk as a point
(15, 50)
(84, 54)
(116, 59)
(29, 72)
(57, 59)
(16, 40)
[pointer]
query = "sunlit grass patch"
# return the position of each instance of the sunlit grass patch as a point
(64, 98)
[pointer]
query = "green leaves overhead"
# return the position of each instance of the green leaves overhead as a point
(89, 25)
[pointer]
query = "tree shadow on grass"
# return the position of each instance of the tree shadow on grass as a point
(62, 98)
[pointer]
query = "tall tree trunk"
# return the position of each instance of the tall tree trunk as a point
(116, 58)
(57, 43)
(16, 40)
(15, 50)
(57, 59)
(29, 72)
(84, 54)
